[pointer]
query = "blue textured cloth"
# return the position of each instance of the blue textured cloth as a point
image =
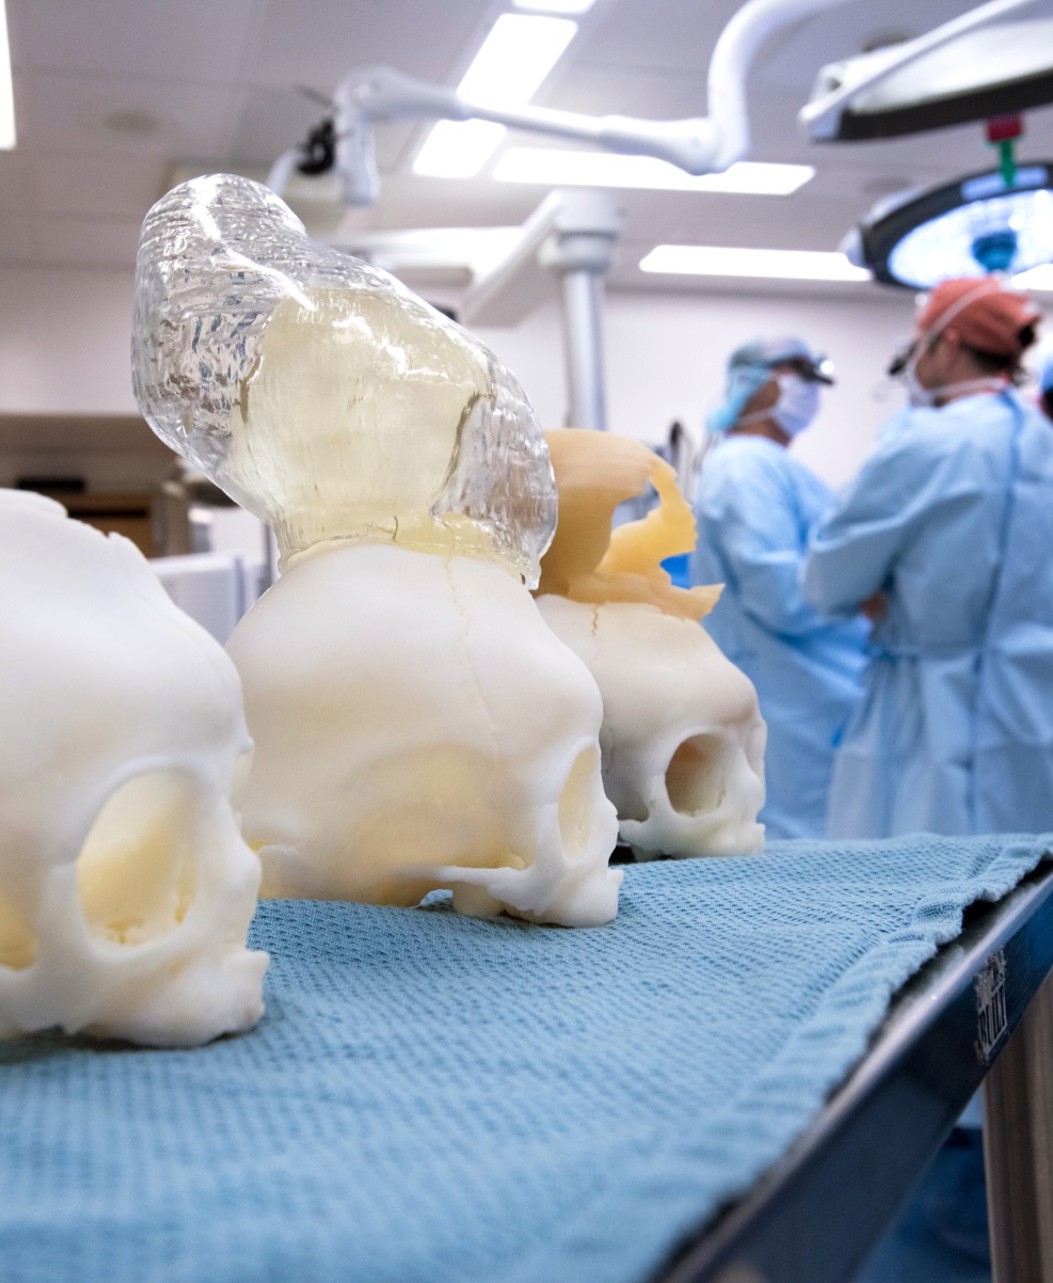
(440, 1098)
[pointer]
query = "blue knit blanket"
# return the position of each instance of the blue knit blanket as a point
(435, 1098)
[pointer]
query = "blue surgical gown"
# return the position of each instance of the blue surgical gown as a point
(952, 516)
(755, 506)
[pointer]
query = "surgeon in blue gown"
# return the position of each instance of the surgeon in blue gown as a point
(951, 521)
(755, 505)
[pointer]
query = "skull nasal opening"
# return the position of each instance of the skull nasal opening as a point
(136, 870)
(693, 780)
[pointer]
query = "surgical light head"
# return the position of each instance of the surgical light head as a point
(978, 224)
(753, 364)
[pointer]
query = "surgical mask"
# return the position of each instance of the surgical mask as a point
(798, 403)
(919, 395)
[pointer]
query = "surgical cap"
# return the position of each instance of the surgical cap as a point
(749, 368)
(989, 317)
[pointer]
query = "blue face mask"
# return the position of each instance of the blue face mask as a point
(798, 403)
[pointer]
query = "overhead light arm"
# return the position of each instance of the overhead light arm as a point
(698, 145)
(841, 83)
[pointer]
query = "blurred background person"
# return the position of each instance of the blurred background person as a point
(951, 521)
(1045, 386)
(755, 504)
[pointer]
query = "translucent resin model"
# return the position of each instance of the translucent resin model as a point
(683, 739)
(415, 723)
(126, 889)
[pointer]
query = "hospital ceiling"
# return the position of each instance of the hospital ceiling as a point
(117, 99)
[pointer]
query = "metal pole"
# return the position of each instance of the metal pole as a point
(583, 347)
(580, 250)
(1018, 1147)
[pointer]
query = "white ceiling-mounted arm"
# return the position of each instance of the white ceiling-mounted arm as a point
(698, 145)
(841, 83)
(732, 57)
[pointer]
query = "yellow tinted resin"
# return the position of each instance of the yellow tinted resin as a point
(350, 420)
(587, 562)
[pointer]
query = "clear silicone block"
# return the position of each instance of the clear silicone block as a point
(322, 394)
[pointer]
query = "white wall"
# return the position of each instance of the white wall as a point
(64, 349)
(666, 357)
(64, 341)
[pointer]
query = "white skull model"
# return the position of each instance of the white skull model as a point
(126, 889)
(415, 723)
(683, 739)
(418, 726)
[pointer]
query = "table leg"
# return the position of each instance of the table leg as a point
(1018, 1147)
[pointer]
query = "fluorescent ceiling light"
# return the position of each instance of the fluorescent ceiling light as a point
(458, 149)
(515, 58)
(556, 6)
(773, 264)
(7, 93)
(561, 167)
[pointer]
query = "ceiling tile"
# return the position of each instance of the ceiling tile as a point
(101, 183)
(88, 242)
(198, 40)
(660, 37)
(78, 113)
(14, 181)
(18, 239)
(270, 121)
(317, 42)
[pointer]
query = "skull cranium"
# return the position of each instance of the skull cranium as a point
(126, 889)
(417, 726)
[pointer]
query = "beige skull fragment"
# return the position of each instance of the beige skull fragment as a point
(126, 889)
(683, 739)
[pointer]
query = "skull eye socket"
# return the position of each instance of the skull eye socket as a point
(18, 948)
(693, 782)
(136, 870)
(577, 804)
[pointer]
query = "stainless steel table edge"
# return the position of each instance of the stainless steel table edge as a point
(815, 1215)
